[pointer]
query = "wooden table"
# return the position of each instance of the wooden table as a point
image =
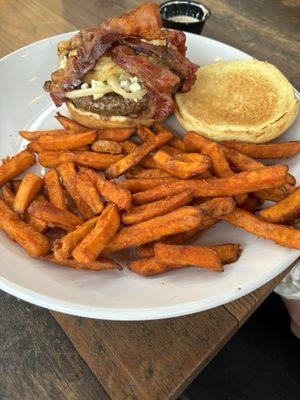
(47, 355)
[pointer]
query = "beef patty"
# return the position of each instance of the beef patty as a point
(112, 104)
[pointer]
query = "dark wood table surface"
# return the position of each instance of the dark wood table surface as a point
(48, 355)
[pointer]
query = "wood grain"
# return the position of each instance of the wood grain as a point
(138, 360)
(149, 360)
(37, 361)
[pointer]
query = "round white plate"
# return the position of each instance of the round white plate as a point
(122, 295)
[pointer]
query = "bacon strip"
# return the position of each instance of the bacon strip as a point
(160, 80)
(176, 38)
(171, 57)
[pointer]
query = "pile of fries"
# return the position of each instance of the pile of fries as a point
(155, 192)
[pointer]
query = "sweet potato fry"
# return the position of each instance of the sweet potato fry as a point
(266, 151)
(34, 147)
(145, 133)
(275, 194)
(64, 246)
(33, 136)
(244, 182)
(148, 266)
(180, 220)
(197, 256)
(280, 234)
(181, 145)
(93, 244)
(88, 192)
(142, 184)
(15, 184)
(67, 142)
(116, 134)
(239, 160)
(25, 235)
(129, 146)
(29, 188)
(68, 174)
(54, 189)
(147, 162)
(51, 159)
(111, 191)
(136, 156)
(283, 211)
(15, 165)
(53, 215)
(68, 124)
(8, 196)
(107, 146)
(150, 173)
(96, 265)
(181, 169)
(161, 207)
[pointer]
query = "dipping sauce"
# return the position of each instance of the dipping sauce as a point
(183, 19)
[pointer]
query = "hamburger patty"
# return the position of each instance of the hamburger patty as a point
(112, 104)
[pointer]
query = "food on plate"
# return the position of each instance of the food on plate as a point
(51, 159)
(123, 73)
(36, 244)
(107, 146)
(266, 151)
(248, 100)
(284, 210)
(132, 159)
(14, 166)
(99, 237)
(54, 189)
(30, 186)
(84, 212)
(160, 207)
(241, 183)
(110, 190)
(180, 220)
(88, 192)
(68, 173)
(53, 215)
(70, 141)
(96, 265)
(64, 246)
(280, 234)
(199, 256)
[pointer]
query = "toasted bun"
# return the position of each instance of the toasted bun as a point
(95, 121)
(247, 100)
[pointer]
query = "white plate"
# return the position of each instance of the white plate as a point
(111, 294)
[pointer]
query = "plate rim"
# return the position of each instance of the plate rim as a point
(134, 314)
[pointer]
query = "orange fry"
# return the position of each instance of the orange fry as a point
(67, 142)
(280, 234)
(266, 151)
(68, 174)
(88, 192)
(244, 182)
(68, 124)
(35, 135)
(64, 246)
(29, 188)
(180, 220)
(15, 165)
(107, 146)
(51, 159)
(96, 265)
(283, 211)
(150, 173)
(136, 156)
(148, 266)
(93, 244)
(161, 207)
(111, 191)
(53, 215)
(54, 189)
(25, 235)
(197, 256)
(142, 184)
(116, 134)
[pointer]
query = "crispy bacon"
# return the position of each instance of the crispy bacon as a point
(159, 80)
(176, 38)
(144, 21)
(171, 57)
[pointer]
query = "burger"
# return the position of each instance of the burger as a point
(122, 73)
